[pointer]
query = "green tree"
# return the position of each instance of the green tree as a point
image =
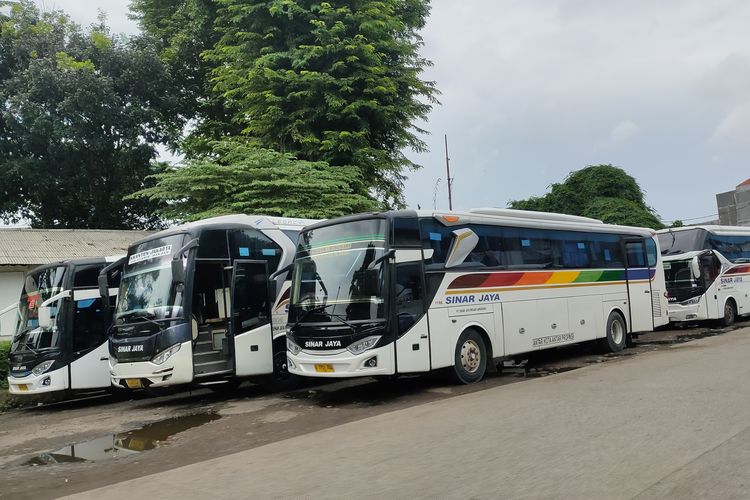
(600, 191)
(81, 113)
(185, 29)
(240, 178)
(335, 81)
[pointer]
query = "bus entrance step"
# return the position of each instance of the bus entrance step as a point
(510, 366)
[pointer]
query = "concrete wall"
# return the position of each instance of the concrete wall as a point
(727, 208)
(10, 291)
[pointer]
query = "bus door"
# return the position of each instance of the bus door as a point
(710, 269)
(409, 309)
(638, 278)
(89, 367)
(250, 325)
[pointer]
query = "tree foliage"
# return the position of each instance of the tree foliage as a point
(600, 191)
(185, 29)
(81, 112)
(240, 178)
(335, 81)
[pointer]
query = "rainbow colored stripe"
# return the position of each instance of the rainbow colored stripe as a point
(739, 269)
(543, 279)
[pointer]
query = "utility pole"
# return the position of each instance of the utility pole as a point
(450, 179)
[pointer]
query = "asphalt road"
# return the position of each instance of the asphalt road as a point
(674, 423)
(116, 439)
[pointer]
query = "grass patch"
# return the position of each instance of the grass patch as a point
(4, 363)
(8, 401)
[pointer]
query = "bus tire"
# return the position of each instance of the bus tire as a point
(281, 380)
(616, 335)
(470, 359)
(730, 313)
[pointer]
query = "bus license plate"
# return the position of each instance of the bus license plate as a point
(23, 387)
(324, 368)
(134, 383)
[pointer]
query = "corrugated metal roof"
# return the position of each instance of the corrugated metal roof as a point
(43, 246)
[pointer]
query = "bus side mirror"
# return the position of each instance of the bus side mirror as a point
(388, 255)
(280, 272)
(103, 288)
(695, 267)
(44, 315)
(178, 271)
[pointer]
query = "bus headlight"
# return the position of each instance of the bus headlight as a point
(691, 302)
(42, 367)
(165, 354)
(361, 346)
(292, 347)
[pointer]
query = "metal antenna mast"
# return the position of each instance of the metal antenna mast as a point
(450, 179)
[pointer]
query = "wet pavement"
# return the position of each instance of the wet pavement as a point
(71, 446)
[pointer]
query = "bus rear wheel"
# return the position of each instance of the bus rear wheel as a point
(470, 361)
(730, 313)
(617, 334)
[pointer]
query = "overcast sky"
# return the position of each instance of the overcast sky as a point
(532, 89)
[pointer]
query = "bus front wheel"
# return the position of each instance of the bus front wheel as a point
(470, 360)
(730, 313)
(617, 334)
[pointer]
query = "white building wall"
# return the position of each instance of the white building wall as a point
(10, 291)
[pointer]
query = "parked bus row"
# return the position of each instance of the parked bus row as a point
(240, 297)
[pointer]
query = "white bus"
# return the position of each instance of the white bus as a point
(60, 342)
(707, 272)
(407, 292)
(196, 304)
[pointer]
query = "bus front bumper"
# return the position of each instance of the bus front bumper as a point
(56, 380)
(178, 369)
(343, 364)
(694, 312)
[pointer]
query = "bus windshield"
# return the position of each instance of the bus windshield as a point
(674, 242)
(681, 284)
(38, 287)
(146, 289)
(336, 276)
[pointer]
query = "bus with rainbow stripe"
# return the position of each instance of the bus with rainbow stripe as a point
(401, 292)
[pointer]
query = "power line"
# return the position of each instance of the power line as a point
(696, 218)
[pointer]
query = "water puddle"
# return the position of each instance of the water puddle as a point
(145, 438)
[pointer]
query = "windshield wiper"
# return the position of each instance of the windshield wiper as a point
(322, 308)
(145, 315)
(307, 312)
(25, 343)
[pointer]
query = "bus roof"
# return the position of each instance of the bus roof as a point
(260, 222)
(107, 259)
(501, 216)
(715, 229)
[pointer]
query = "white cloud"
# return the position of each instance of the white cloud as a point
(619, 134)
(734, 129)
(531, 87)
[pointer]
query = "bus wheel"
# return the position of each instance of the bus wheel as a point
(730, 313)
(470, 360)
(281, 380)
(617, 334)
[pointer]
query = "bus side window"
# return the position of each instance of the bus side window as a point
(89, 324)
(651, 252)
(409, 296)
(710, 269)
(635, 254)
